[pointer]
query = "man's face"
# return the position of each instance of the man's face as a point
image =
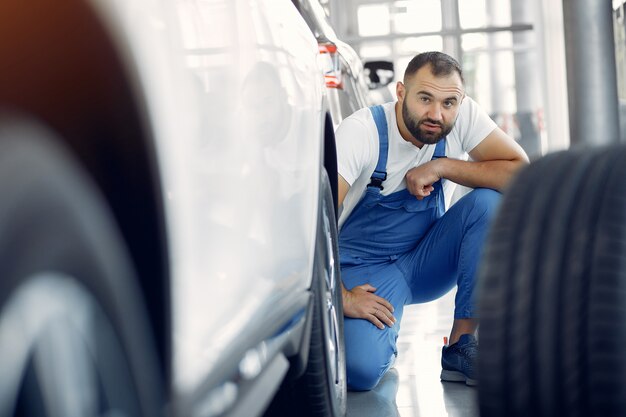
(430, 104)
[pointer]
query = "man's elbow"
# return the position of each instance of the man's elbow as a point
(520, 162)
(514, 167)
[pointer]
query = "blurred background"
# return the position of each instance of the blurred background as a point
(512, 53)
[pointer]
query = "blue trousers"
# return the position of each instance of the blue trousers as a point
(447, 255)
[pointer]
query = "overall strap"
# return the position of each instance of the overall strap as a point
(440, 149)
(380, 173)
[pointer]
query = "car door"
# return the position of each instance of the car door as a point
(250, 181)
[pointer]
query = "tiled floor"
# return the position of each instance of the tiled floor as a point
(412, 388)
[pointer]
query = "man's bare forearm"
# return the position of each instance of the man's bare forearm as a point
(487, 174)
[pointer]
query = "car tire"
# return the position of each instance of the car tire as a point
(552, 290)
(74, 338)
(321, 390)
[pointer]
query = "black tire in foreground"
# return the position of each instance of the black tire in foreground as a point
(74, 339)
(552, 290)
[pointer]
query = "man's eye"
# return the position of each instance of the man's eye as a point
(448, 104)
(425, 99)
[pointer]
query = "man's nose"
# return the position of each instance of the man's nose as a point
(434, 113)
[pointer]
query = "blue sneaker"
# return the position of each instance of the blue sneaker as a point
(459, 361)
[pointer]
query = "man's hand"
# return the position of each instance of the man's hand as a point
(420, 180)
(361, 303)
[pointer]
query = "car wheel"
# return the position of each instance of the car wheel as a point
(321, 391)
(323, 385)
(74, 339)
(553, 290)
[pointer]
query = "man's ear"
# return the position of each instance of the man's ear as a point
(400, 91)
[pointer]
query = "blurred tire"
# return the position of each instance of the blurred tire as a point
(74, 339)
(553, 290)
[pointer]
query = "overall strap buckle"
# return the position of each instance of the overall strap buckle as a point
(380, 172)
(377, 180)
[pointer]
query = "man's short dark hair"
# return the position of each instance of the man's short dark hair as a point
(440, 65)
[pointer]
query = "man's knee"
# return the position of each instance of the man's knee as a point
(484, 202)
(364, 372)
(369, 352)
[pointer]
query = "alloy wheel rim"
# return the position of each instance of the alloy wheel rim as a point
(332, 333)
(52, 323)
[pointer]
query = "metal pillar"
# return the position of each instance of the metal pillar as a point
(528, 97)
(496, 43)
(451, 21)
(591, 73)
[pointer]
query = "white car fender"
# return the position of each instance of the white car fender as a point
(234, 101)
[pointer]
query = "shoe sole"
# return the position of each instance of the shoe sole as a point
(455, 376)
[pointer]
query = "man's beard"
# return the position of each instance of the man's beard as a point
(413, 125)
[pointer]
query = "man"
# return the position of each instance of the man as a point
(398, 245)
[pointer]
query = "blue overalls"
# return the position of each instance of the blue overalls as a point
(411, 251)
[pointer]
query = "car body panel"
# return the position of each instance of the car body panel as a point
(349, 91)
(234, 99)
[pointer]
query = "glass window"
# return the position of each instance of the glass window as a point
(489, 59)
(473, 13)
(417, 16)
(415, 45)
(375, 50)
(373, 20)
(400, 65)
(474, 41)
(482, 13)
(477, 73)
(490, 80)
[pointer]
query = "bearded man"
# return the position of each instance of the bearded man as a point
(400, 242)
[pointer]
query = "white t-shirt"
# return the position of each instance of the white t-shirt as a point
(357, 150)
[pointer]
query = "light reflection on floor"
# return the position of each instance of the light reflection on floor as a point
(412, 388)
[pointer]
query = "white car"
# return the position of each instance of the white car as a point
(351, 84)
(167, 220)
